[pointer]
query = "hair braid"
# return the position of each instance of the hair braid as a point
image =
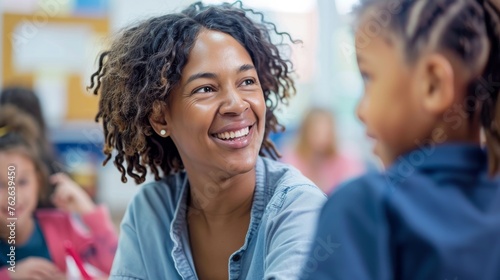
(490, 117)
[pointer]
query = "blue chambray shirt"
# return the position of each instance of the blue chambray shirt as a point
(154, 241)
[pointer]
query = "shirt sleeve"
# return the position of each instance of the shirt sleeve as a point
(291, 230)
(352, 240)
(102, 240)
(128, 263)
(4, 273)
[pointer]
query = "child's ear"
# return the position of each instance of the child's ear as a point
(437, 86)
(158, 118)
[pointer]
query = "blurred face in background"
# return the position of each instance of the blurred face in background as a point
(26, 181)
(319, 132)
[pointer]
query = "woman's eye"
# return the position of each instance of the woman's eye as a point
(248, 82)
(204, 90)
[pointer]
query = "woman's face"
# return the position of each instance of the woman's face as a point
(216, 115)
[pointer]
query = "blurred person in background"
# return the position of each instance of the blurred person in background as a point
(38, 234)
(26, 100)
(317, 155)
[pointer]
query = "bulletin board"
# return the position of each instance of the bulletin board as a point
(80, 105)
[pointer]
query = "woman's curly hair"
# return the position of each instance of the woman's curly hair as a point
(145, 62)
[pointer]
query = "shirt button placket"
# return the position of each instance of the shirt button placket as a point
(236, 258)
(235, 267)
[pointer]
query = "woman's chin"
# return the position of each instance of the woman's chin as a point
(241, 166)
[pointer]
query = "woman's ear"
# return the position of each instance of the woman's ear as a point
(158, 119)
(437, 88)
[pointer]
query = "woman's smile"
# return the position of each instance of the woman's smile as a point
(235, 138)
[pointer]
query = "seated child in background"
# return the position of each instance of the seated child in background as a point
(40, 233)
(26, 100)
(317, 154)
(432, 73)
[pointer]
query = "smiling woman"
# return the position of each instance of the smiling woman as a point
(191, 97)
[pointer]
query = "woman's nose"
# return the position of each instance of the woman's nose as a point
(233, 103)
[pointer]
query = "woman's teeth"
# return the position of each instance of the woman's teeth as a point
(233, 134)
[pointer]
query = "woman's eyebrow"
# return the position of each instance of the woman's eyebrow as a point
(205, 75)
(208, 75)
(245, 67)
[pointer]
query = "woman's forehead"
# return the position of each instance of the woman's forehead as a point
(214, 50)
(215, 41)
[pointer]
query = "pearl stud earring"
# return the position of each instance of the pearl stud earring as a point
(163, 132)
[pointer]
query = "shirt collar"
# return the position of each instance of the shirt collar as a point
(178, 228)
(454, 157)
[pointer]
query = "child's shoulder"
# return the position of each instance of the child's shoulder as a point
(370, 190)
(369, 184)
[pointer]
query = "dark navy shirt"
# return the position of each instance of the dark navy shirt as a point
(434, 214)
(35, 247)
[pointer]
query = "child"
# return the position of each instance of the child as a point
(37, 234)
(26, 100)
(316, 153)
(191, 96)
(432, 73)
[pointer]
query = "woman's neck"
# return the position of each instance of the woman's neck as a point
(222, 199)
